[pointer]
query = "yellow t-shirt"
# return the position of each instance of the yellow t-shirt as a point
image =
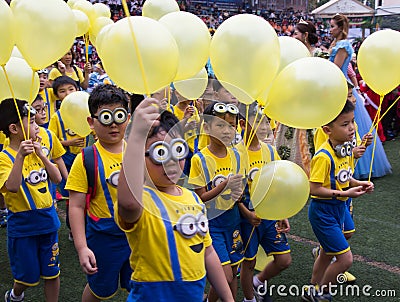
(258, 159)
(190, 135)
(53, 149)
(77, 181)
(321, 170)
(218, 170)
(2, 138)
(55, 73)
(50, 101)
(156, 237)
(55, 126)
(35, 178)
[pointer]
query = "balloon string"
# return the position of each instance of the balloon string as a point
(245, 128)
(375, 124)
(373, 152)
(251, 130)
(255, 131)
(86, 39)
(248, 241)
(381, 117)
(167, 93)
(30, 98)
(135, 44)
(15, 101)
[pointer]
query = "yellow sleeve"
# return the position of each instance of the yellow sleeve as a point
(5, 169)
(54, 126)
(196, 176)
(54, 73)
(320, 168)
(320, 137)
(58, 149)
(77, 179)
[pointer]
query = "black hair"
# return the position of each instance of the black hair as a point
(38, 98)
(106, 95)
(63, 80)
(9, 114)
(308, 27)
(168, 123)
(208, 113)
(216, 85)
(135, 100)
(253, 108)
(348, 107)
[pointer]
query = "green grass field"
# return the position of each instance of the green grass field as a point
(375, 246)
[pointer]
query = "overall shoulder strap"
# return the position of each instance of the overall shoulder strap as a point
(205, 170)
(332, 173)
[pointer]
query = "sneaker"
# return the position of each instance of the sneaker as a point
(70, 237)
(315, 252)
(9, 298)
(3, 220)
(350, 278)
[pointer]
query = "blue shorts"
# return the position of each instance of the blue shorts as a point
(34, 257)
(228, 245)
(177, 291)
(327, 223)
(265, 234)
(348, 225)
(112, 259)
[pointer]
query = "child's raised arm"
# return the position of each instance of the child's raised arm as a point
(130, 195)
(14, 179)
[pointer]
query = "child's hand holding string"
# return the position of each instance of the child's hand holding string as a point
(26, 148)
(146, 116)
(367, 139)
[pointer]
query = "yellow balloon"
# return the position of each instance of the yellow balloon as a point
(279, 190)
(82, 22)
(378, 61)
(6, 32)
(308, 93)
(244, 52)
(262, 259)
(194, 87)
(155, 9)
(193, 39)
(74, 111)
(263, 98)
(44, 30)
(20, 75)
(158, 51)
(99, 38)
(97, 25)
(85, 7)
(16, 53)
(101, 10)
(291, 50)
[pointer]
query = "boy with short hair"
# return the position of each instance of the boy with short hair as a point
(165, 224)
(32, 218)
(63, 86)
(103, 249)
(51, 145)
(270, 234)
(47, 95)
(217, 173)
(331, 184)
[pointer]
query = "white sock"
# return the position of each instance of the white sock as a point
(250, 300)
(15, 297)
(257, 282)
